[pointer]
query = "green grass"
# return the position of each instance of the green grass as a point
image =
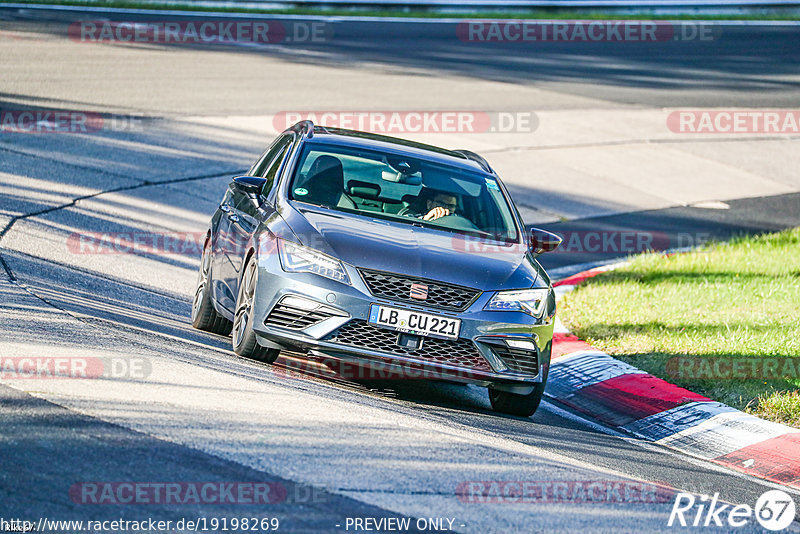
(780, 406)
(675, 316)
(418, 13)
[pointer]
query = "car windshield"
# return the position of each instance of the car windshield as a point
(406, 189)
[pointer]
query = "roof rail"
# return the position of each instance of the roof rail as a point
(476, 158)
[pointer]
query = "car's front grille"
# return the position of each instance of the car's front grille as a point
(296, 318)
(520, 360)
(439, 294)
(457, 352)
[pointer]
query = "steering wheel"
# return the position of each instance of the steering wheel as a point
(457, 221)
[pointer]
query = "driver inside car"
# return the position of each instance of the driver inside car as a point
(441, 205)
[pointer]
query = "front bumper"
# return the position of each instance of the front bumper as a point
(507, 350)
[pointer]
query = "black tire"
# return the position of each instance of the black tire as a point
(204, 316)
(243, 337)
(515, 404)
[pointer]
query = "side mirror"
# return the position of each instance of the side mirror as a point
(543, 241)
(249, 185)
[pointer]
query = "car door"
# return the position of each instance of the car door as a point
(227, 249)
(244, 218)
(224, 246)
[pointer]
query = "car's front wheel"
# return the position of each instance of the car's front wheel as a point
(516, 404)
(244, 339)
(204, 316)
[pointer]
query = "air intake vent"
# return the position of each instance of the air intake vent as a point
(298, 313)
(519, 360)
(457, 352)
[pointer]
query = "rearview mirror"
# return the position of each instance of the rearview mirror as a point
(250, 185)
(543, 241)
(399, 177)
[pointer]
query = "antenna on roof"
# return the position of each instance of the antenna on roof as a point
(304, 128)
(307, 129)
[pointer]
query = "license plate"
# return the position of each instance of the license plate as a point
(413, 322)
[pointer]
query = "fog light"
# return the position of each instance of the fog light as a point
(523, 344)
(299, 302)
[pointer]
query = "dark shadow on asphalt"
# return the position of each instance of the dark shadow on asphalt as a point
(55, 450)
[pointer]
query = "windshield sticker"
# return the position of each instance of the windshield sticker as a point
(301, 191)
(491, 184)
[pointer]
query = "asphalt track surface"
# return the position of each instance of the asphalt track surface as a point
(340, 448)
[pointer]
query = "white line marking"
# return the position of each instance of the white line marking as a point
(652, 447)
(726, 432)
(581, 369)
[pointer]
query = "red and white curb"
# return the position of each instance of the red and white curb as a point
(622, 396)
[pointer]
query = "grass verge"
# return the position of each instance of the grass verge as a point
(549, 14)
(723, 321)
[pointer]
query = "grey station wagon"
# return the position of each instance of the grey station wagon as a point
(382, 253)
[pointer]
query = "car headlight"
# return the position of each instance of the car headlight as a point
(298, 259)
(531, 301)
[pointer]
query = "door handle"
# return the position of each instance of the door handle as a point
(225, 208)
(233, 217)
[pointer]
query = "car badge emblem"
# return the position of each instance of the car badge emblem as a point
(419, 291)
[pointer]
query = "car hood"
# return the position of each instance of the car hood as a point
(374, 243)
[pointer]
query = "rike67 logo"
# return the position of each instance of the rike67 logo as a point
(774, 511)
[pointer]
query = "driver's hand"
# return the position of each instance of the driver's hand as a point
(435, 213)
